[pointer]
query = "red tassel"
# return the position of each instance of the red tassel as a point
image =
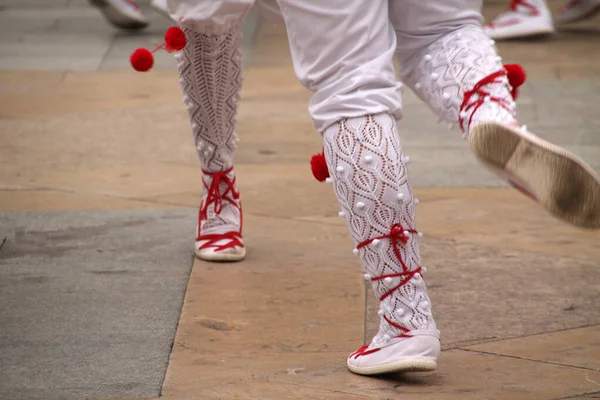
(318, 165)
(516, 77)
(142, 59)
(175, 39)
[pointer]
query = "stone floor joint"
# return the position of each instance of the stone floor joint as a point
(579, 396)
(528, 359)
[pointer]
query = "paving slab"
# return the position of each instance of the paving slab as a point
(574, 347)
(461, 375)
(17, 199)
(227, 348)
(55, 51)
(90, 301)
(244, 321)
(34, 3)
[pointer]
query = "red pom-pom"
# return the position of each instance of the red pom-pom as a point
(141, 60)
(516, 77)
(175, 39)
(516, 74)
(318, 165)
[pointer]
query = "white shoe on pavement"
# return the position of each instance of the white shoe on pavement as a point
(523, 18)
(416, 351)
(553, 177)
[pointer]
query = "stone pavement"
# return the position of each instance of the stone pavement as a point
(100, 296)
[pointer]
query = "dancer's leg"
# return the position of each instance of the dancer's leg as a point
(210, 71)
(448, 60)
(342, 51)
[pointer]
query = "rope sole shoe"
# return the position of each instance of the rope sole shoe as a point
(558, 180)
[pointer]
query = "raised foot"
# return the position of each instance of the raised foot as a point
(558, 180)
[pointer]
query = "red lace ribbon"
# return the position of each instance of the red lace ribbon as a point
(216, 198)
(398, 236)
(233, 240)
(363, 350)
(470, 106)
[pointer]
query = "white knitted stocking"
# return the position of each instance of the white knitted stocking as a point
(365, 161)
(454, 76)
(211, 79)
(210, 72)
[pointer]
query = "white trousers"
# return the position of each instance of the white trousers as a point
(218, 16)
(343, 49)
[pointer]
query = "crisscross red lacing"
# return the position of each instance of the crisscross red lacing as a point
(233, 240)
(398, 236)
(514, 73)
(216, 198)
(363, 351)
(471, 104)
